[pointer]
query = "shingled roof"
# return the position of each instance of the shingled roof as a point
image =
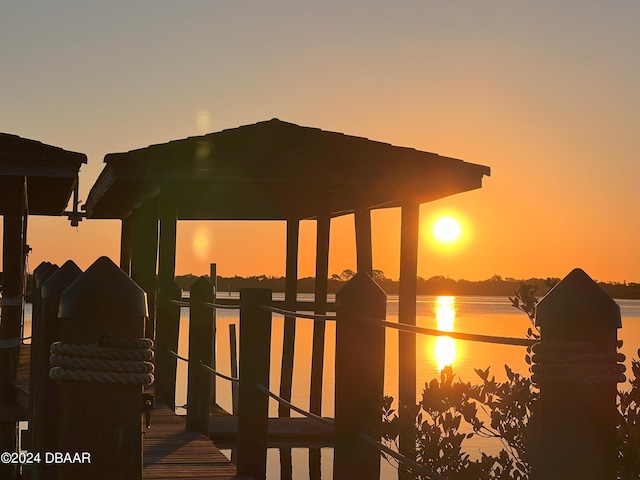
(51, 172)
(276, 170)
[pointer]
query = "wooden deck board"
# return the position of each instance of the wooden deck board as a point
(171, 452)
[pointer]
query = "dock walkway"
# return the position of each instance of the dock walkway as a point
(169, 450)
(172, 452)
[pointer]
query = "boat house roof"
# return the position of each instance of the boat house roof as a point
(275, 170)
(51, 173)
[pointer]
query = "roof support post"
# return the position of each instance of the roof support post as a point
(167, 313)
(144, 251)
(13, 263)
(125, 245)
(322, 274)
(364, 255)
(290, 299)
(409, 234)
(323, 224)
(168, 216)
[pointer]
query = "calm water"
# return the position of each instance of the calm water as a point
(486, 315)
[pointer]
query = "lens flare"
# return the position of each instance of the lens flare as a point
(201, 243)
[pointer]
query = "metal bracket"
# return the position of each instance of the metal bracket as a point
(148, 404)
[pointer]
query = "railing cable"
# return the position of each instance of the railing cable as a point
(206, 367)
(223, 306)
(180, 303)
(178, 356)
(13, 301)
(416, 467)
(310, 415)
(291, 313)
(221, 375)
(523, 342)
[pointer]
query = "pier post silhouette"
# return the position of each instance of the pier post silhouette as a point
(45, 398)
(102, 419)
(253, 405)
(360, 349)
(199, 398)
(575, 366)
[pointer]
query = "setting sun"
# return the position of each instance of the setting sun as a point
(447, 229)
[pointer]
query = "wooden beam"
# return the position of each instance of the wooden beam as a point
(409, 233)
(290, 294)
(144, 251)
(364, 255)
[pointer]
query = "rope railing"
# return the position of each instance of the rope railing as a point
(281, 400)
(178, 356)
(180, 303)
(206, 367)
(221, 375)
(291, 313)
(222, 306)
(412, 465)
(474, 337)
(12, 342)
(13, 301)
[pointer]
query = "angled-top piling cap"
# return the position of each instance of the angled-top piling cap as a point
(104, 290)
(60, 279)
(362, 292)
(41, 268)
(578, 301)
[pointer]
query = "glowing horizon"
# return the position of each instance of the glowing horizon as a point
(554, 116)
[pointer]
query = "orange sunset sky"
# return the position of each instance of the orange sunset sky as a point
(545, 93)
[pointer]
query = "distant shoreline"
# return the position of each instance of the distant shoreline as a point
(493, 287)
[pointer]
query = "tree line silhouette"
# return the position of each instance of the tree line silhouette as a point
(437, 285)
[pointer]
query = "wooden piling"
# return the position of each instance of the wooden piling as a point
(360, 349)
(103, 419)
(409, 235)
(40, 274)
(46, 405)
(575, 368)
(213, 280)
(167, 334)
(233, 357)
(200, 350)
(323, 225)
(13, 263)
(253, 405)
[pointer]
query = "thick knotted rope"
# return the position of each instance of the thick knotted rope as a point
(113, 360)
(575, 362)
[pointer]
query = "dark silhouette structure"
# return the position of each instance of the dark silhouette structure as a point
(35, 179)
(275, 170)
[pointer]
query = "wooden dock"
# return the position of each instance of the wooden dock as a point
(169, 450)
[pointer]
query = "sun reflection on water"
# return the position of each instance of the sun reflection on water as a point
(445, 348)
